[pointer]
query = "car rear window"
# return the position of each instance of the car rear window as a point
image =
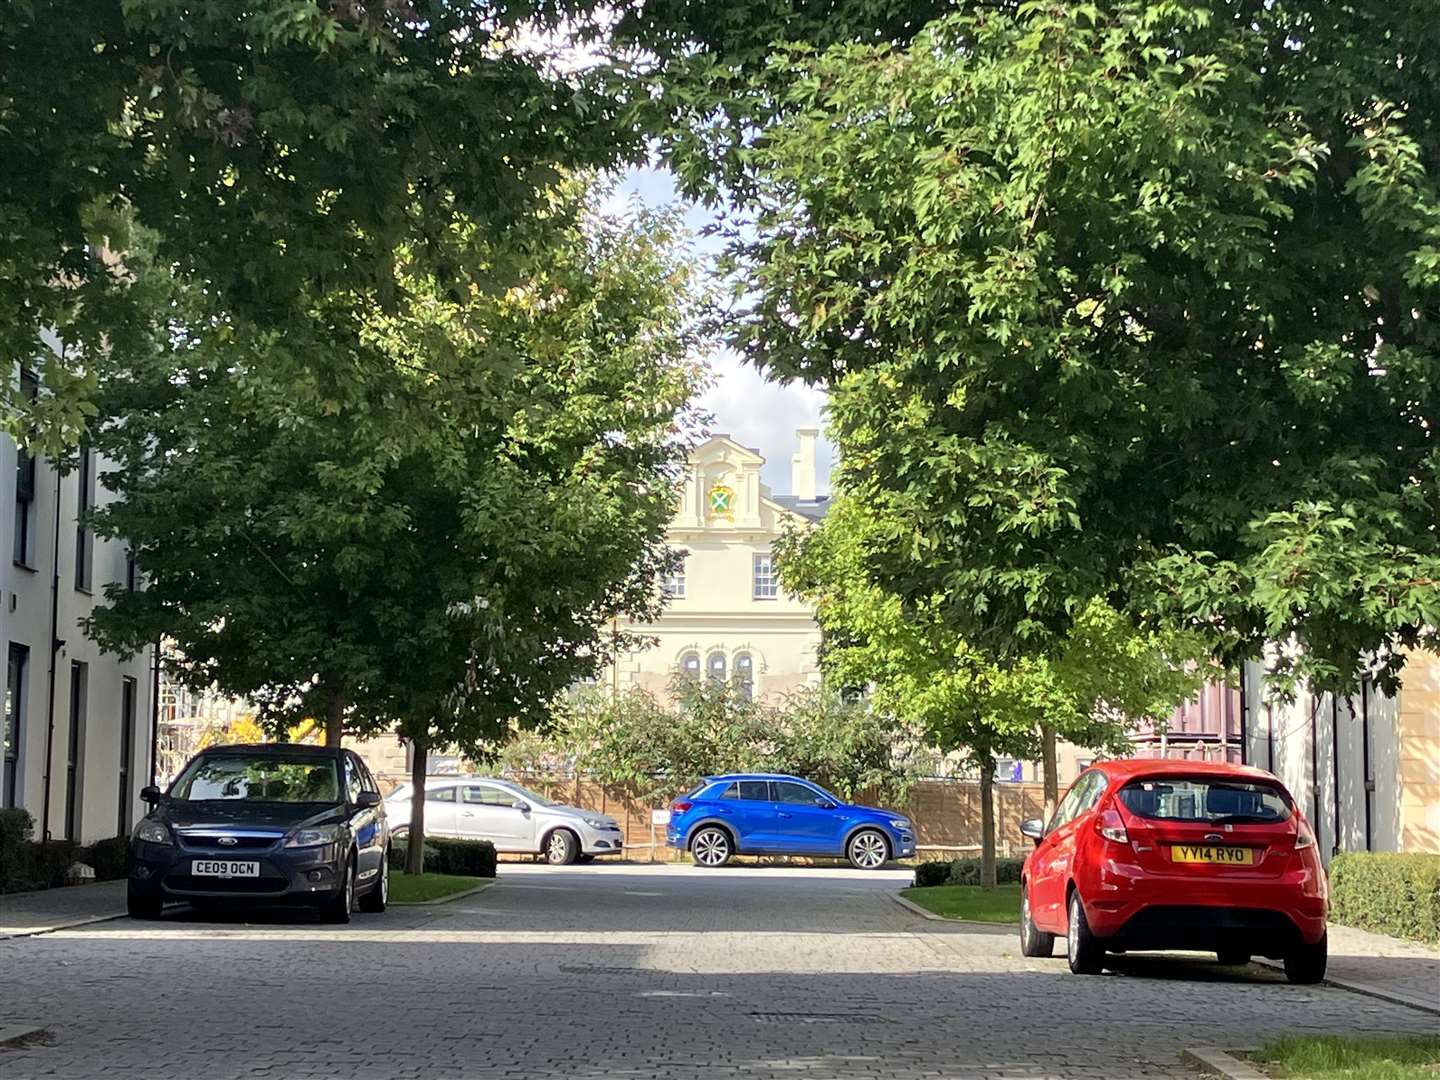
(1212, 800)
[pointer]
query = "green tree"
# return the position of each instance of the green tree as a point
(1131, 302)
(1108, 676)
(439, 528)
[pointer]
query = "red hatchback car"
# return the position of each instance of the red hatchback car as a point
(1157, 854)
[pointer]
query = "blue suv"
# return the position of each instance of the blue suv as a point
(764, 814)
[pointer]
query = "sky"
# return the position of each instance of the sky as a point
(744, 404)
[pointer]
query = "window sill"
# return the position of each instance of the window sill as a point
(765, 599)
(22, 566)
(83, 591)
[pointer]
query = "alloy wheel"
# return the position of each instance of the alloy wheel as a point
(711, 848)
(350, 891)
(868, 850)
(385, 880)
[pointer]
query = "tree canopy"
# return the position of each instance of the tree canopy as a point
(1129, 303)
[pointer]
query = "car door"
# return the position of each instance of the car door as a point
(1050, 863)
(485, 812)
(802, 824)
(748, 806)
(440, 809)
(367, 824)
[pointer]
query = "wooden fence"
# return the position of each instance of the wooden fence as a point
(946, 814)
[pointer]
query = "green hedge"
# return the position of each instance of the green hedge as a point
(27, 864)
(1397, 895)
(965, 871)
(467, 858)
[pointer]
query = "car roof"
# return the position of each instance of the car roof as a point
(754, 776)
(1130, 768)
(287, 749)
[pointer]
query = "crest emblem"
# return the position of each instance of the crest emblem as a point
(229, 841)
(722, 502)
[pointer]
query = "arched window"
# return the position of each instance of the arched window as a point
(716, 667)
(690, 665)
(745, 675)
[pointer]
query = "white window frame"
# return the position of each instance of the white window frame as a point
(764, 582)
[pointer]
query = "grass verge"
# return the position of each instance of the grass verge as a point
(1330, 1057)
(998, 905)
(415, 888)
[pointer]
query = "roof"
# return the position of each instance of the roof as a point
(814, 509)
(277, 748)
(754, 776)
(1129, 768)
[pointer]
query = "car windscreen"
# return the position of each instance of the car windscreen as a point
(270, 778)
(528, 795)
(1211, 800)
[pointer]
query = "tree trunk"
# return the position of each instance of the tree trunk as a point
(1051, 770)
(987, 821)
(415, 841)
(334, 716)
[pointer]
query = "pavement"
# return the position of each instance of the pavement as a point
(634, 972)
(50, 909)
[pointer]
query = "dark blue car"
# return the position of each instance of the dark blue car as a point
(764, 814)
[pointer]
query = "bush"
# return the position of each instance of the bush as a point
(465, 858)
(16, 827)
(1389, 894)
(965, 871)
(107, 857)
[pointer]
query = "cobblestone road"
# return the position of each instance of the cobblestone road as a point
(628, 972)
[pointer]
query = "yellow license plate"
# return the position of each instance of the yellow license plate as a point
(1230, 856)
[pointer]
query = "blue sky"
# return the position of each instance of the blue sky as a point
(745, 405)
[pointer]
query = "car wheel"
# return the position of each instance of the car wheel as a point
(378, 898)
(1033, 942)
(339, 909)
(1082, 950)
(1231, 958)
(868, 850)
(711, 847)
(1306, 964)
(561, 848)
(143, 903)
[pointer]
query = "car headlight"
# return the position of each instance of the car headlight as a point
(596, 823)
(900, 823)
(152, 832)
(321, 834)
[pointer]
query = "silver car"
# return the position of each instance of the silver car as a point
(509, 816)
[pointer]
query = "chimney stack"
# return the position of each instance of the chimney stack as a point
(802, 466)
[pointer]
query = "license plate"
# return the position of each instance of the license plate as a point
(1230, 856)
(224, 868)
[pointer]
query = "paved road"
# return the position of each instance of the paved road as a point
(628, 972)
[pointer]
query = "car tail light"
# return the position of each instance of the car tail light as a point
(1111, 826)
(1304, 838)
(679, 806)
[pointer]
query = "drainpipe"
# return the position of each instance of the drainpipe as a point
(155, 716)
(55, 644)
(1365, 750)
(1269, 736)
(1244, 720)
(1314, 764)
(1335, 763)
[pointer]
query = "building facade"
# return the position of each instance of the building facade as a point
(76, 722)
(726, 616)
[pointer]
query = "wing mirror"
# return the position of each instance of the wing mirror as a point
(150, 794)
(1034, 829)
(521, 805)
(825, 804)
(367, 799)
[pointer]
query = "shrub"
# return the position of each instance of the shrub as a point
(16, 827)
(934, 872)
(965, 871)
(1389, 894)
(465, 858)
(107, 857)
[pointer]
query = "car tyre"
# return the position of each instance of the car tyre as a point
(143, 903)
(1033, 941)
(868, 849)
(1083, 950)
(377, 899)
(1232, 958)
(1305, 965)
(711, 847)
(561, 848)
(339, 909)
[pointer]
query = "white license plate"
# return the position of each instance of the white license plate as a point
(224, 868)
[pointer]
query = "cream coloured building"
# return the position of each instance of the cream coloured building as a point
(726, 615)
